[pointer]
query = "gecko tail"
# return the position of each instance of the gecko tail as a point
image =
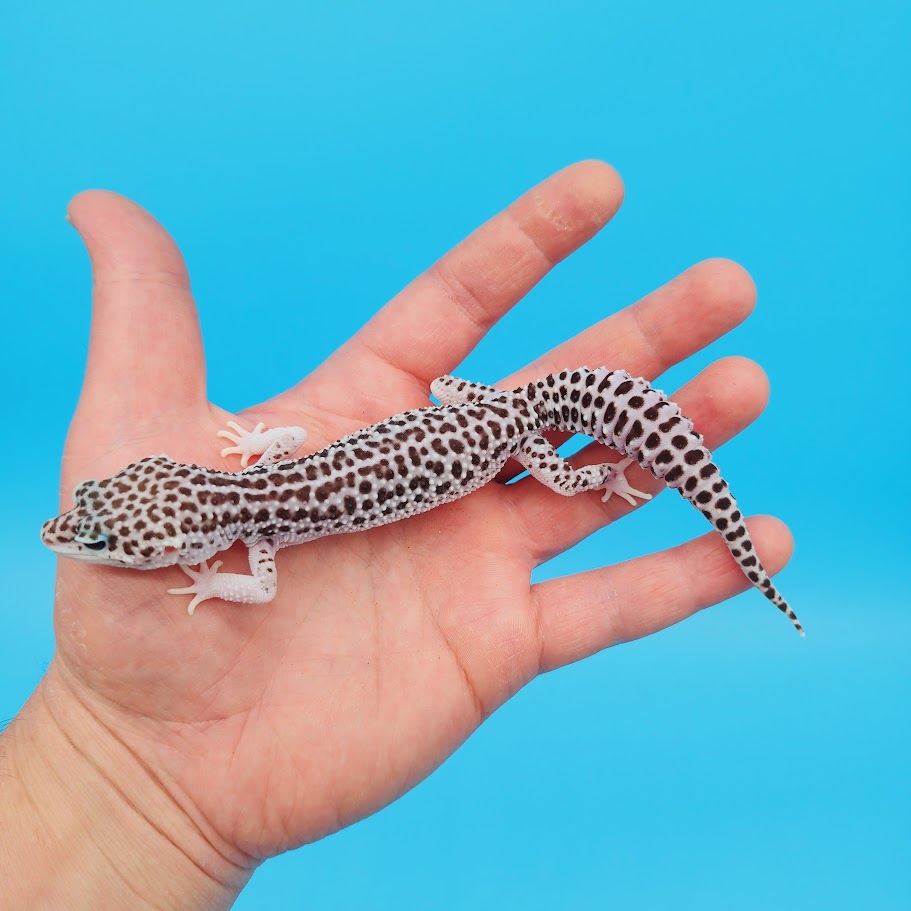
(772, 593)
(709, 493)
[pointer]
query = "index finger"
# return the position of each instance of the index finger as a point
(429, 327)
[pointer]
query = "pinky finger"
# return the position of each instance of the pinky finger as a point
(582, 614)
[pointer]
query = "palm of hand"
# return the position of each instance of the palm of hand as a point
(276, 724)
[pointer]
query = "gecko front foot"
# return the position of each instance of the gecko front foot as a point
(247, 443)
(617, 484)
(203, 586)
(271, 445)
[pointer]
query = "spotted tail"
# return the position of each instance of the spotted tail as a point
(628, 415)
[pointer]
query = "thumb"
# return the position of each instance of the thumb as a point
(146, 366)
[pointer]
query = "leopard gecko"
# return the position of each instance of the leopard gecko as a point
(157, 512)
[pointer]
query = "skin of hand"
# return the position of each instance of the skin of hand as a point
(204, 744)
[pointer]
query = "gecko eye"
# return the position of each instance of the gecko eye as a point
(100, 544)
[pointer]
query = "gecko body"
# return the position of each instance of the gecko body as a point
(157, 512)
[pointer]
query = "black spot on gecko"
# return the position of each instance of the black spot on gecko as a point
(635, 431)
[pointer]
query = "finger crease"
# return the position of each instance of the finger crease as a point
(538, 629)
(419, 381)
(549, 261)
(647, 335)
(163, 278)
(469, 302)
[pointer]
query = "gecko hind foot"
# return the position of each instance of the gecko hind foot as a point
(617, 484)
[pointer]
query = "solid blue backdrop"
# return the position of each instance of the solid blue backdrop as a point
(310, 159)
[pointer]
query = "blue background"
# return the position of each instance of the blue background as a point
(317, 157)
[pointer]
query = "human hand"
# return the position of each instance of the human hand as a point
(248, 730)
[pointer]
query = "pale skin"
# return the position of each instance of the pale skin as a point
(202, 745)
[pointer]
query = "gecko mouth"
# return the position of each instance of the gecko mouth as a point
(76, 551)
(57, 535)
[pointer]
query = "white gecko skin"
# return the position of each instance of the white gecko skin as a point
(157, 512)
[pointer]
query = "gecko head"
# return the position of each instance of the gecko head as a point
(126, 520)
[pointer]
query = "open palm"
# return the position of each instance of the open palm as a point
(273, 725)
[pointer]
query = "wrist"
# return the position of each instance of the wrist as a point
(84, 823)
